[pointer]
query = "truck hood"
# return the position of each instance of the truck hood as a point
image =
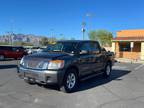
(33, 60)
(47, 55)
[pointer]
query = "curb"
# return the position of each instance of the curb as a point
(128, 61)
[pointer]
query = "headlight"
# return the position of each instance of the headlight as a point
(56, 64)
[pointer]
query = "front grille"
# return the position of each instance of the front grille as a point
(33, 62)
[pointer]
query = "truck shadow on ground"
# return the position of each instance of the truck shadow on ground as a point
(8, 66)
(98, 80)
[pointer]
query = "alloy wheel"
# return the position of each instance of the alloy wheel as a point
(71, 80)
(108, 70)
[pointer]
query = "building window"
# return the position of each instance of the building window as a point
(125, 46)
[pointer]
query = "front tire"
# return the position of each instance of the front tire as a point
(29, 81)
(70, 82)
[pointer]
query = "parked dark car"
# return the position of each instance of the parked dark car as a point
(12, 52)
(65, 64)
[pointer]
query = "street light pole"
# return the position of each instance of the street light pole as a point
(83, 30)
(83, 33)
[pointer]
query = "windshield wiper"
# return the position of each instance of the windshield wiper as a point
(57, 50)
(61, 51)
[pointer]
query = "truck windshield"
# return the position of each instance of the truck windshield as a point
(62, 47)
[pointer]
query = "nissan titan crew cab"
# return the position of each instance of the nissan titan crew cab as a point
(65, 64)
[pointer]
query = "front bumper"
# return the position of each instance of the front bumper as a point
(42, 76)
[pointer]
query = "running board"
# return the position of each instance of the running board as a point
(90, 76)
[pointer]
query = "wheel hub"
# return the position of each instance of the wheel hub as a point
(71, 80)
(108, 70)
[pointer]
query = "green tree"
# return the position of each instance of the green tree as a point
(44, 41)
(103, 36)
(52, 40)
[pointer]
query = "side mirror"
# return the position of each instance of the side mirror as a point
(103, 49)
(97, 52)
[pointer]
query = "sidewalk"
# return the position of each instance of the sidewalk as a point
(124, 60)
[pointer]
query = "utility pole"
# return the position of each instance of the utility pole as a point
(89, 15)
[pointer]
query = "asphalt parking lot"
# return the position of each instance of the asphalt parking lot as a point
(124, 89)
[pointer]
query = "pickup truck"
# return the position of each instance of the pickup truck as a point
(65, 64)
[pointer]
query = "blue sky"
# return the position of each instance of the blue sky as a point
(47, 17)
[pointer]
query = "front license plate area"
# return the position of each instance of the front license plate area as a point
(31, 75)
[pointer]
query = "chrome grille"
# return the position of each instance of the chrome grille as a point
(33, 62)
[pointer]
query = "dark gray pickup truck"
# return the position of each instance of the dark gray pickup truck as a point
(65, 64)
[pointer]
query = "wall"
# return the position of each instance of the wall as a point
(142, 51)
(135, 54)
(113, 47)
(117, 49)
(130, 55)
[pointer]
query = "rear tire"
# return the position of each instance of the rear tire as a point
(107, 70)
(70, 82)
(2, 57)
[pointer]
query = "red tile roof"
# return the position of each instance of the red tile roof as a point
(128, 39)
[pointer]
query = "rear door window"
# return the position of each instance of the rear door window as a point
(94, 46)
(85, 46)
(90, 46)
(7, 48)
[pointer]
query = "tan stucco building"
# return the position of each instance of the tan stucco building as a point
(129, 44)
